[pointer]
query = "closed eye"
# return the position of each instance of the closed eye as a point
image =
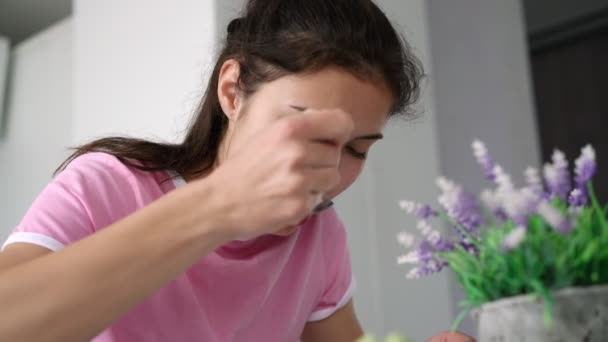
(353, 152)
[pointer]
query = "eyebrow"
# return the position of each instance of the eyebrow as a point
(374, 136)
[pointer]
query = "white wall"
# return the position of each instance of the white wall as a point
(139, 65)
(482, 84)
(38, 119)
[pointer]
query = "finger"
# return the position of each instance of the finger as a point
(318, 155)
(331, 126)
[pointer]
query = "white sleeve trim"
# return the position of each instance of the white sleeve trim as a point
(325, 313)
(33, 238)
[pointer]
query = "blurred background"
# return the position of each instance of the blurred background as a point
(523, 76)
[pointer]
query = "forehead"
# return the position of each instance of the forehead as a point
(368, 101)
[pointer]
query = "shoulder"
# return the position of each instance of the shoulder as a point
(98, 170)
(97, 164)
(102, 183)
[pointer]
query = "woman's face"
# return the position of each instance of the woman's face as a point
(331, 88)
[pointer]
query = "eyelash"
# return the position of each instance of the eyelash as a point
(355, 153)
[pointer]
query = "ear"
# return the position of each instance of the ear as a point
(227, 88)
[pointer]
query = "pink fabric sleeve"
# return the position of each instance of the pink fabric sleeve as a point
(340, 283)
(77, 202)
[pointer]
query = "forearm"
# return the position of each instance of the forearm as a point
(75, 293)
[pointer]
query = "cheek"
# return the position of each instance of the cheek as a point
(253, 119)
(350, 169)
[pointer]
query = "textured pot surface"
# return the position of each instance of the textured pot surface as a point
(579, 314)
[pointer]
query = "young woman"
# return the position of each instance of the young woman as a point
(228, 235)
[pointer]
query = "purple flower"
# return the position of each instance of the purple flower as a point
(468, 246)
(413, 257)
(426, 259)
(428, 268)
(483, 158)
(462, 207)
(514, 238)
(519, 204)
(433, 239)
(502, 179)
(425, 254)
(557, 176)
(554, 217)
(577, 198)
(533, 180)
(585, 167)
(422, 212)
(508, 203)
(492, 201)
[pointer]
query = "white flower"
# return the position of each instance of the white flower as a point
(588, 153)
(446, 185)
(519, 204)
(502, 179)
(412, 257)
(533, 179)
(431, 267)
(434, 237)
(414, 273)
(408, 206)
(585, 164)
(514, 238)
(424, 227)
(552, 175)
(559, 159)
(450, 194)
(491, 200)
(406, 239)
(479, 149)
(553, 216)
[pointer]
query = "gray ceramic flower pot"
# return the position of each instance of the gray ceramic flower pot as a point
(579, 314)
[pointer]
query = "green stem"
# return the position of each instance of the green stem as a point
(596, 205)
(544, 293)
(460, 318)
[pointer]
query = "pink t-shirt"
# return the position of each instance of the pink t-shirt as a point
(264, 289)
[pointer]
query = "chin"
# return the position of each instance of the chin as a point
(287, 231)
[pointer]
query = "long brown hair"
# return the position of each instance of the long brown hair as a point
(271, 39)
